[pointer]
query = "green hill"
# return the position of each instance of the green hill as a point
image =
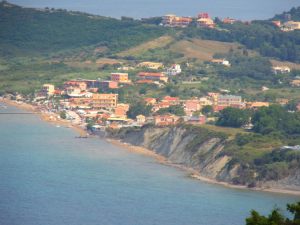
(25, 30)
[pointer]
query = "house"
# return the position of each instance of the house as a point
(282, 101)
(281, 69)
(228, 20)
(160, 105)
(277, 23)
(150, 101)
(191, 106)
(141, 119)
(151, 65)
(76, 92)
(174, 70)
(295, 83)
(225, 101)
(176, 21)
(257, 105)
(213, 97)
(82, 85)
(79, 103)
(291, 26)
(105, 101)
(197, 120)
(171, 100)
(153, 76)
(121, 110)
(166, 120)
(203, 101)
(48, 90)
(205, 21)
(223, 62)
(120, 77)
(107, 85)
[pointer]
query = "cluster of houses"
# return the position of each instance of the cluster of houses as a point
(105, 110)
(202, 20)
(287, 26)
(95, 100)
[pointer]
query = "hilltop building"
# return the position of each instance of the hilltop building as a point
(176, 21)
(204, 20)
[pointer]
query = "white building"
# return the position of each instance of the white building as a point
(281, 69)
(174, 70)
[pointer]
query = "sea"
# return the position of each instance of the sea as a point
(238, 9)
(49, 177)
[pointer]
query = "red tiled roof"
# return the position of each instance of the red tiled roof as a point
(144, 74)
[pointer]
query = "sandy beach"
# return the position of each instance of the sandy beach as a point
(47, 117)
(192, 173)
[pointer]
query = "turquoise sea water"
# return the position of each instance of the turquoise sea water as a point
(48, 177)
(240, 9)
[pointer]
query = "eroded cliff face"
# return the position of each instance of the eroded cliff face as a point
(180, 146)
(201, 150)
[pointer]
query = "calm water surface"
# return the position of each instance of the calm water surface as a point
(47, 177)
(241, 9)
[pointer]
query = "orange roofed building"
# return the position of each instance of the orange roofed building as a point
(171, 100)
(153, 76)
(166, 120)
(106, 101)
(120, 77)
(150, 101)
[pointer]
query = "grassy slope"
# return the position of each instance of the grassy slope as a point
(140, 49)
(202, 50)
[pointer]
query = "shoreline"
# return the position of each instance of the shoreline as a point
(47, 117)
(191, 173)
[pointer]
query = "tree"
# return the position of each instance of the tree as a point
(233, 117)
(276, 217)
(206, 110)
(177, 110)
(139, 108)
(276, 119)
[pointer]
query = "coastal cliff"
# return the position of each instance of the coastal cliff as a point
(208, 152)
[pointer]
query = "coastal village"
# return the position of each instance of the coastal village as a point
(218, 98)
(94, 104)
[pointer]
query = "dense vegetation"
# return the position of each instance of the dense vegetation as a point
(294, 14)
(276, 217)
(233, 117)
(242, 66)
(266, 120)
(24, 30)
(261, 36)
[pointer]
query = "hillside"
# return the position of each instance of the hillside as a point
(27, 31)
